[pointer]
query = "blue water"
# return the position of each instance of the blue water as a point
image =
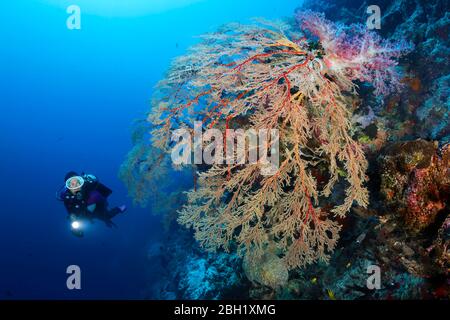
(68, 99)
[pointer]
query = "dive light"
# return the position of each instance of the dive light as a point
(76, 225)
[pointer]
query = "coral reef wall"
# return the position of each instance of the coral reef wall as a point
(347, 102)
(425, 106)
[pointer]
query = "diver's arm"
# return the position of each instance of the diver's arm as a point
(73, 216)
(72, 210)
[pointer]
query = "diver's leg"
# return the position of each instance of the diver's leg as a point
(108, 214)
(115, 211)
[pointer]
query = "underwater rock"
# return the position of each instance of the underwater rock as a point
(268, 270)
(413, 237)
(433, 114)
(440, 247)
(415, 181)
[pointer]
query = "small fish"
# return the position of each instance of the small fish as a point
(331, 294)
(314, 280)
(348, 265)
(361, 237)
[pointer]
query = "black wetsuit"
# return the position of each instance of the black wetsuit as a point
(92, 193)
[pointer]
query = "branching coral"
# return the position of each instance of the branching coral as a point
(360, 54)
(271, 77)
(140, 171)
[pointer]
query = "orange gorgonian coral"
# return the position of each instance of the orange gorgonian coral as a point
(269, 76)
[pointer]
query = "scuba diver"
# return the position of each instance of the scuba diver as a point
(85, 199)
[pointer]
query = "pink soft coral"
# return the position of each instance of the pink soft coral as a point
(357, 52)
